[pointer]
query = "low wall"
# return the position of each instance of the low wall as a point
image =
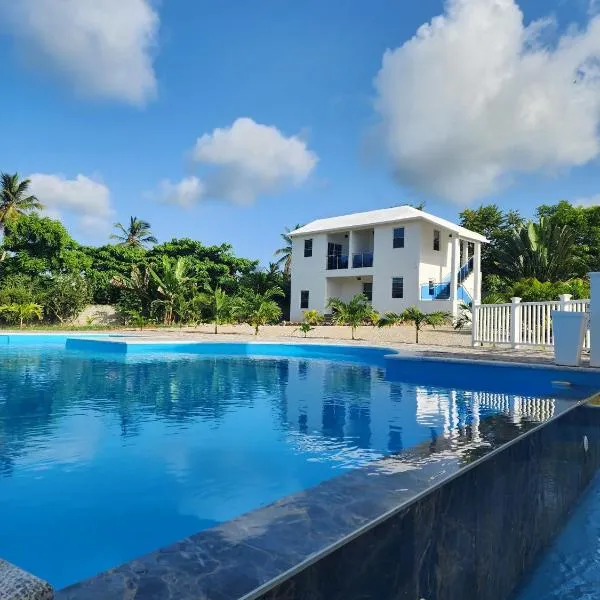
(98, 314)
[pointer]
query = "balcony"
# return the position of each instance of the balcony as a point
(362, 260)
(335, 262)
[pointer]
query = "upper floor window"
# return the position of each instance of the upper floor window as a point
(398, 287)
(436, 240)
(304, 296)
(308, 248)
(399, 237)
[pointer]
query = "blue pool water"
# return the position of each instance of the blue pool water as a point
(104, 458)
(570, 570)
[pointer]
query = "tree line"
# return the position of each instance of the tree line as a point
(537, 259)
(46, 275)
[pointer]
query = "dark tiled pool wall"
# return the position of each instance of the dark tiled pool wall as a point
(475, 536)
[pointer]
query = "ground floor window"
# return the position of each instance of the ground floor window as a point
(304, 294)
(398, 287)
(368, 290)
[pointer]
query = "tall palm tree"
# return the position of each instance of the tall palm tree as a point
(285, 253)
(14, 198)
(136, 234)
(354, 312)
(544, 251)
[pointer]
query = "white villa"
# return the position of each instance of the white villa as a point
(398, 257)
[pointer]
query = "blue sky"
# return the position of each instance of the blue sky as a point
(106, 116)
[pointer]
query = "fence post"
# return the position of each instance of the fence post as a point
(594, 310)
(475, 323)
(564, 300)
(515, 322)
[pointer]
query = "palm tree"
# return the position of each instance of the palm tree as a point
(353, 313)
(23, 312)
(171, 284)
(136, 234)
(285, 253)
(14, 199)
(258, 309)
(417, 318)
(544, 251)
(218, 303)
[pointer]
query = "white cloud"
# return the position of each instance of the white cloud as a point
(588, 202)
(248, 159)
(476, 97)
(83, 198)
(185, 193)
(102, 48)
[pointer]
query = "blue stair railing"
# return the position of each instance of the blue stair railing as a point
(441, 291)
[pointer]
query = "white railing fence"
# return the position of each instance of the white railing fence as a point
(522, 323)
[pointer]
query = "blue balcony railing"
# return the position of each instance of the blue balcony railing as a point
(335, 262)
(362, 260)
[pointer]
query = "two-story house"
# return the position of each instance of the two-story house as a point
(397, 257)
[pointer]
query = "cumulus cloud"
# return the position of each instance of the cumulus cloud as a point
(477, 97)
(184, 193)
(588, 202)
(82, 198)
(248, 159)
(101, 48)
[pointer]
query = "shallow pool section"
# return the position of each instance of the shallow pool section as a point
(105, 458)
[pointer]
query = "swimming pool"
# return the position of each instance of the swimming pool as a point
(106, 456)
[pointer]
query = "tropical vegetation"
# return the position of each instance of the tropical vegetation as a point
(416, 317)
(46, 275)
(537, 259)
(354, 313)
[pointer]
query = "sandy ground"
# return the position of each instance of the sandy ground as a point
(446, 337)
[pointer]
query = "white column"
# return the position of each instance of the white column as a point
(515, 322)
(454, 274)
(477, 273)
(475, 323)
(594, 309)
(350, 247)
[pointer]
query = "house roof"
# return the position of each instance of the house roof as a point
(380, 217)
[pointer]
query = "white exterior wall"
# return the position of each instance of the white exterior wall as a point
(390, 262)
(309, 274)
(433, 264)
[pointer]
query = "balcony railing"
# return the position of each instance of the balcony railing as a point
(362, 260)
(335, 262)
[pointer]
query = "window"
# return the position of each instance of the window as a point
(368, 290)
(399, 237)
(436, 240)
(307, 248)
(304, 294)
(398, 287)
